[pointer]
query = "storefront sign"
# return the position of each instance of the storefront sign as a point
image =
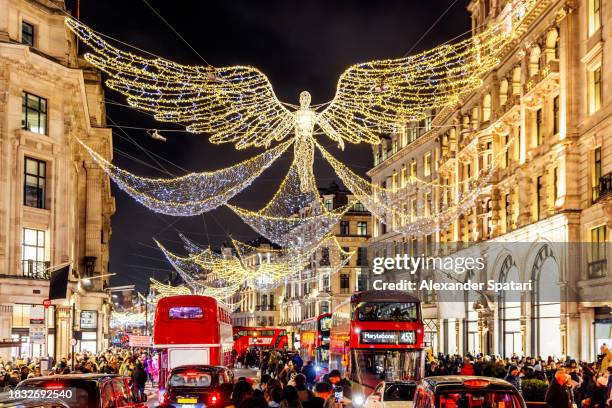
(37, 325)
(388, 337)
(89, 319)
(140, 341)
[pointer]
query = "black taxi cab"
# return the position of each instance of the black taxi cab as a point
(458, 391)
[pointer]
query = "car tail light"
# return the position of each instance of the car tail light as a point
(477, 383)
(213, 399)
(54, 386)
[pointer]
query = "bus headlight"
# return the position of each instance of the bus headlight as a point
(358, 400)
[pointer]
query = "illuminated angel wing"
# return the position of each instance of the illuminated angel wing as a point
(373, 96)
(234, 104)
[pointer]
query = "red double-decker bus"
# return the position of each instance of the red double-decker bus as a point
(314, 340)
(377, 336)
(261, 337)
(191, 329)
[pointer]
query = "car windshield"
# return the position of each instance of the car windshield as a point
(479, 399)
(372, 366)
(387, 312)
(77, 392)
(190, 379)
(399, 392)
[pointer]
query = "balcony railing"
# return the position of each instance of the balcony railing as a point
(35, 269)
(597, 269)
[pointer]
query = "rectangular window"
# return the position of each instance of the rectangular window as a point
(404, 175)
(594, 89)
(33, 253)
(427, 165)
(359, 207)
(362, 228)
(344, 228)
(27, 34)
(596, 173)
(507, 211)
(413, 170)
(394, 146)
(594, 16)
(394, 183)
(556, 117)
(538, 128)
(414, 247)
(428, 245)
(362, 256)
(344, 282)
(427, 199)
(34, 183)
(540, 198)
(597, 262)
(329, 203)
(34, 113)
(413, 209)
(413, 134)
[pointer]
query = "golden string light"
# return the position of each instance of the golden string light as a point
(293, 218)
(384, 203)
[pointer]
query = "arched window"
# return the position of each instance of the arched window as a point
(510, 338)
(552, 45)
(534, 61)
(546, 305)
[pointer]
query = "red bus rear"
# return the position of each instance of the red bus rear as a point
(314, 340)
(260, 337)
(376, 336)
(189, 330)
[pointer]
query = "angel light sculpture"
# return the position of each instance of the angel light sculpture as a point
(237, 104)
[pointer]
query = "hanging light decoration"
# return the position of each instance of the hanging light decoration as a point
(194, 193)
(293, 218)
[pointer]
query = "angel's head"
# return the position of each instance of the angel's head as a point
(305, 99)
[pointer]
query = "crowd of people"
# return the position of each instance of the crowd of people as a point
(569, 382)
(137, 364)
(287, 382)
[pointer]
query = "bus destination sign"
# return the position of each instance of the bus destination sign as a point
(388, 337)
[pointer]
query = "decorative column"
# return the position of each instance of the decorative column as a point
(63, 331)
(6, 316)
(93, 226)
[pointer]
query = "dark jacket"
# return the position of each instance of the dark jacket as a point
(559, 396)
(139, 375)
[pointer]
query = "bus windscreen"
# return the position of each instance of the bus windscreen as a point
(185, 312)
(387, 312)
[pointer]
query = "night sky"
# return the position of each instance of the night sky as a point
(299, 45)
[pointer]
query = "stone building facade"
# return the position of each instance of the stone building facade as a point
(543, 116)
(55, 203)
